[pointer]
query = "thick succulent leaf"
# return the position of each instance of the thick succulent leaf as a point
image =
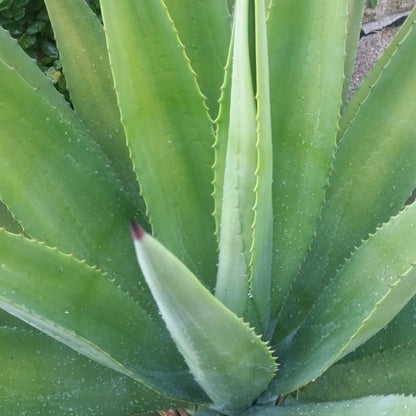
(389, 372)
(167, 127)
(373, 405)
(374, 172)
(367, 292)
(84, 309)
(239, 197)
(83, 51)
(308, 37)
(40, 376)
(226, 357)
(261, 249)
(400, 331)
(205, 29)
(222, 124)
(63, 189)
(13, 56)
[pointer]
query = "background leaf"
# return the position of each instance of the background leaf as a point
(388, 372)
(377, 405)
(374, 172)
(205, 29)
(305, 106)
(41, 376)
(366, 294)
(168, 129)
(84, 309)
(83, 51)
(76, 199)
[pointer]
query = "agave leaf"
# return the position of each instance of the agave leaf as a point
(261, 249)
(400, 331)
(205, 29)
(83, 51)
(366, 294)
(374, 171)
(84, 309)
(306, 78)
(63, 188)
(167, 127)
(41, 376)
(388, 372)
(222, 124)
(373, 405)
(228, 360)
(237, 214)
(13, 56)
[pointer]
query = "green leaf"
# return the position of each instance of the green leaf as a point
(226, 357)
(389, 372)
(167, 127)
(83, 51)
(261, 250)
(367, 292)
(41, 376)
(374, 172)
(76, 199)
(14, 57)
(84, 309)
(239, 198)
(400, 331)
(222, 124)
(205, 29)
(307, 54)
(375, 405)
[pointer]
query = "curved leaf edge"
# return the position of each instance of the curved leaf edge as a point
(62, 334)
(393, 405)
(355, 249)
(351, 343)
(354, 106)
(332, 384)
(344, 80)
(188, 60)
(160, 266)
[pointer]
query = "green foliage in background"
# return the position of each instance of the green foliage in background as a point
(270, 266)
(28, 22)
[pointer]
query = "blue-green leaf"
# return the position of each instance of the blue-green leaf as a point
(226, 357)
(41, 376)
(367, 292)
(81, 307)
(373, 405)
(167, 126)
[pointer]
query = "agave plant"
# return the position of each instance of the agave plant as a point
(273, 221)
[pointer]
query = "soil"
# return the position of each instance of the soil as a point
(379, 27)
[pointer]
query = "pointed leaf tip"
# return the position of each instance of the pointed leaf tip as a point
(137, 230)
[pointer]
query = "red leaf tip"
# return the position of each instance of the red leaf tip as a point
(137, 230)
